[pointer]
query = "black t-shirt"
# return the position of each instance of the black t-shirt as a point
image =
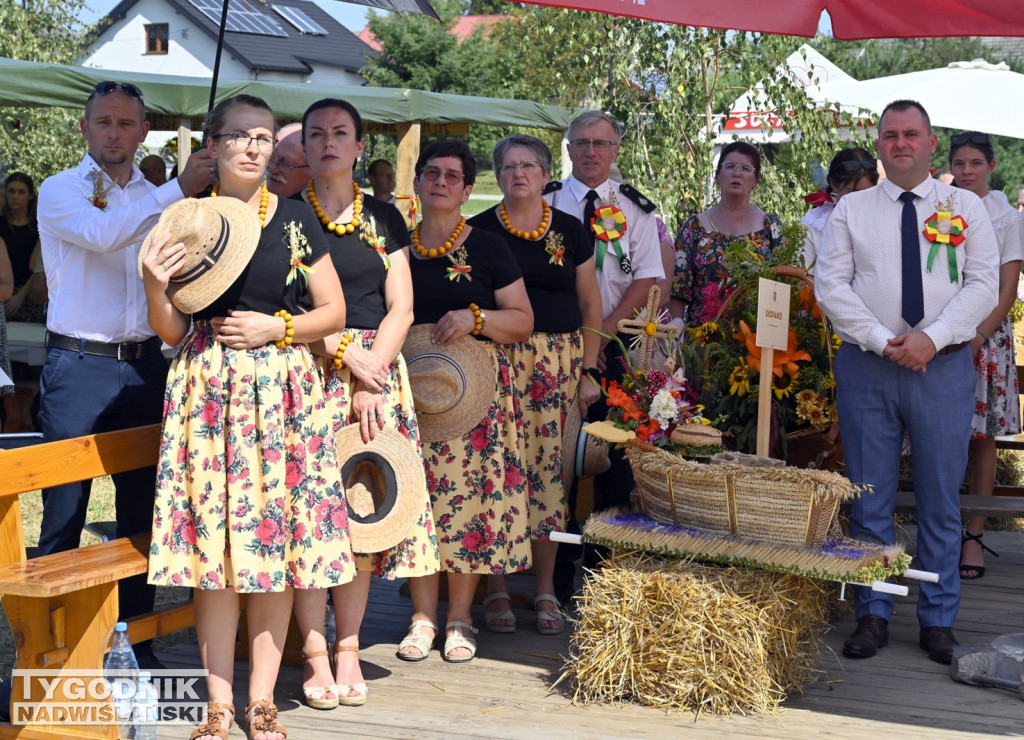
(551, 287)
(20, 241)
(361, 267)
(492, 268)
(263, 285)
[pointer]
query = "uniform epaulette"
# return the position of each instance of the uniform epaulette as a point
(553, 186)
(644, 203)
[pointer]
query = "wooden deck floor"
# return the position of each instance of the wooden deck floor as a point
(505, 692)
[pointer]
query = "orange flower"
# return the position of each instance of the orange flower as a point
(782, 361)
(644, 431)
(620, 399)
(809, 303)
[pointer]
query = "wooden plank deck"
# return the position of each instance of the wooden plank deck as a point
(505, 693)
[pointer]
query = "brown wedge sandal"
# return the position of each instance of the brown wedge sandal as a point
(315, 695)
(216, 713)
(263, 718)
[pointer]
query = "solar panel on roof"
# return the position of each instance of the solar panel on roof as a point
(242, 17)
(300, 20)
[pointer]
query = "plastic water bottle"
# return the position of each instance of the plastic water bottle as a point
(121, 670)
(147, 708)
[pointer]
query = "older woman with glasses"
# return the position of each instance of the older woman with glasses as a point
(701, 244)
(557, 260)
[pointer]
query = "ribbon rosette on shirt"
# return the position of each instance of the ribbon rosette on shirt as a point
(942, 227)
(299, 247)
(608, 225)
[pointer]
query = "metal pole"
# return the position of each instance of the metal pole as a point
(216, 60)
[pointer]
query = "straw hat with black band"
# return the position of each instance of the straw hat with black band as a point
(220, 236)
(385, 487)
(452, 384)
(582, 454)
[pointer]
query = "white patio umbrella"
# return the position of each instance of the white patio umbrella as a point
(975, 96)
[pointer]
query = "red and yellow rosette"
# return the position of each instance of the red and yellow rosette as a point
(942, 227)
(608, 225)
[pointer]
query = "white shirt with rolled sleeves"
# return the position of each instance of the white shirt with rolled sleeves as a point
(858, 278)
(1007, 224)
(639, 243)
(91, 255)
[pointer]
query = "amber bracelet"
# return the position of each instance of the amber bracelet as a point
(479, 319)
(343, 343)
(289, 329)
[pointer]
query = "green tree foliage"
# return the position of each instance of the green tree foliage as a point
(37, 140)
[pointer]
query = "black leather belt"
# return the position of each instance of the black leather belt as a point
(118, 350)
(951, 348)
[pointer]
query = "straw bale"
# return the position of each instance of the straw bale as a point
(686, 637)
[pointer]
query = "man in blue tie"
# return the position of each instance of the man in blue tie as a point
(906, 272)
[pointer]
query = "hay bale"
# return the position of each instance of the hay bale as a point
(686, 637)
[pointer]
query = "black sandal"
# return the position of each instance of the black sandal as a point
(978, 569)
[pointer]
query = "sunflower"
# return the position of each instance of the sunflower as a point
(739, 381)
(706, 333)
(783, 386)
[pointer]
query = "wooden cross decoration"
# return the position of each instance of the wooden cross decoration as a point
(646, 329)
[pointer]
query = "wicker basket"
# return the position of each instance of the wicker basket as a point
(787, 506)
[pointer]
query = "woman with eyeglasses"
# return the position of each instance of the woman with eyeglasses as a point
(466, 282)
(852, 169)
(996, 411)
(700, 245)
(557, 261)
(248, 497)
(366, 379)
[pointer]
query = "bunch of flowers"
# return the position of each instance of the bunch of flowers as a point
(723, 361)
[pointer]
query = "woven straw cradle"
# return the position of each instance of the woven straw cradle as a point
(788, 506)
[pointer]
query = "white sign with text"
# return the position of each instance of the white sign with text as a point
(772, 314)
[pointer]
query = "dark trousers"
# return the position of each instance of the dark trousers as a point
(85, 394)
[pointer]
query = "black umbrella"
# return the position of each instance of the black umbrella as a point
(397, 6)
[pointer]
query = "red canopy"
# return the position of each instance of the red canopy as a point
(851, 19)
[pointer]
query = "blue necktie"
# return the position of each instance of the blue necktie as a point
(913, 292)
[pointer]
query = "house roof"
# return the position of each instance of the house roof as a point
(294, 52)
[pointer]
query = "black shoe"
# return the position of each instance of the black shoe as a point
(939, 642)
(147, 659)
(872, 633)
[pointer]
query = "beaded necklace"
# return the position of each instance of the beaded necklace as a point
(264, 201)
(339, 229)
(444, 248)
(532, 236)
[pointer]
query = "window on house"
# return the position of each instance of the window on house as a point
(156, 38)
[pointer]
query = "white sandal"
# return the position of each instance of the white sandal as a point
(416, 639)
(545, 616)
(461, 637)
(490, 618)
(316, 695)
(343, 689)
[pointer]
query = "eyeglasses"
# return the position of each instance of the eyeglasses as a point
(731, 167)
(287, 165)
(853, 166)
(601, 145)
(450, 176)
(105, 88)
(243, 141)
(528, 168)
(961, 139)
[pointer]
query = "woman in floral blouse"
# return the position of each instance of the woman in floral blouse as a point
(700, 270)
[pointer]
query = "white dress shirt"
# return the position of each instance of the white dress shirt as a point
(639, 243)
(91, 255)
(815, 220)
(1007, 224)
(858, 278)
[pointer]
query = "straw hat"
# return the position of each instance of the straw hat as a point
(385, 486)
(220, 235)
(582, 454)
(452, 384)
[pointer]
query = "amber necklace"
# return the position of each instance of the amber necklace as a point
(264, 201)
(339, 229)
(532, 236)
(444, 248)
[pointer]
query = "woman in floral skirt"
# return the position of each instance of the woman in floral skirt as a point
(996, 411)
(249, 498)
(557, 261)
(466, 282)
(366, 379)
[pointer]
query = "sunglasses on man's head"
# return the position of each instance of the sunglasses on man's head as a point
(105, 88)
(961, 139)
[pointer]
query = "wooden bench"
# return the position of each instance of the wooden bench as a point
(62, 607)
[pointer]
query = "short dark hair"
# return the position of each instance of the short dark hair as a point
(215, 118)
(344, 105)
(849, 165)
(449, 148)
(371, 169)
(902, 106)
(975, 139)
(744, 148)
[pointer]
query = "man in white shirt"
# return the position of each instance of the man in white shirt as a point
(906, 305)
(104, 369)
(381, 175)
(288, 171)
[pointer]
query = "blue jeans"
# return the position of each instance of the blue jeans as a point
(85, 394)
(877, 400)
